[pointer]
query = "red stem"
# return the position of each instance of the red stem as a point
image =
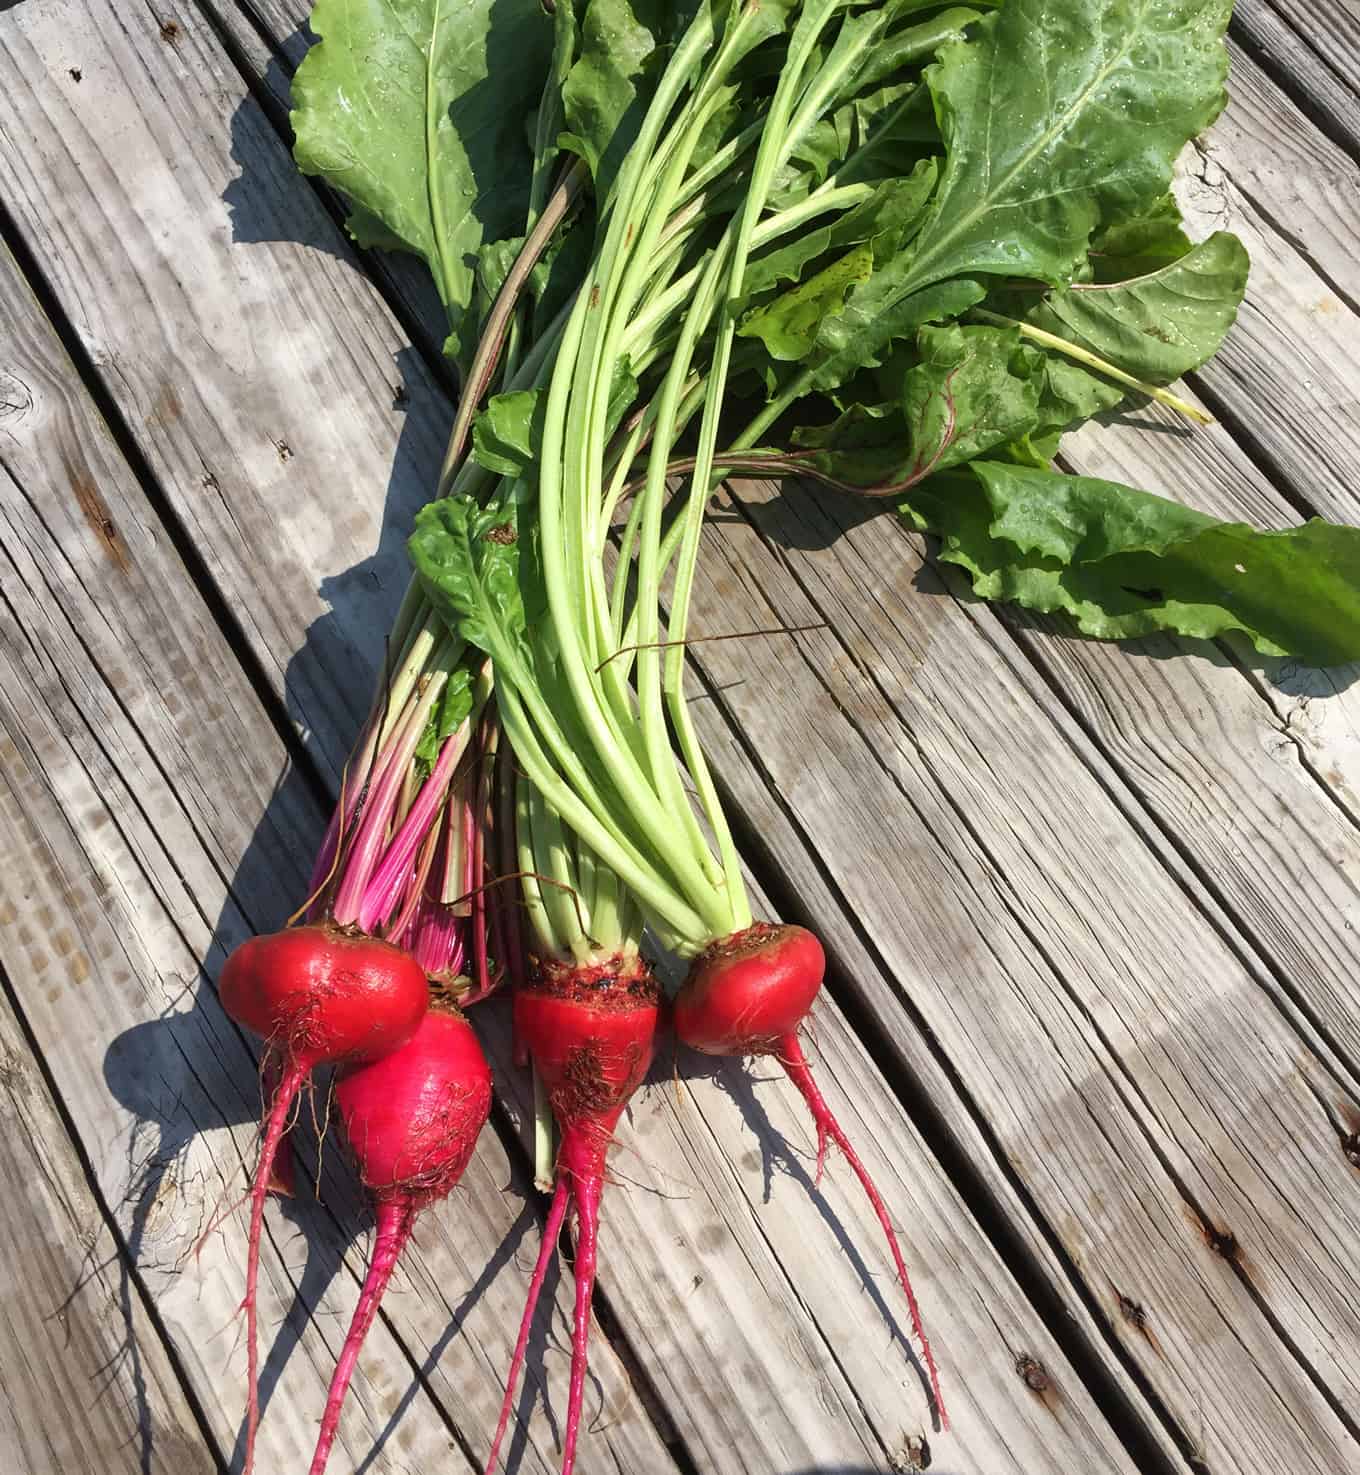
(479, 799)
(508, 861)
(289, 1086)
(391, 873)
(415, 891)
(793, 1060)
(483, 367)
(586, 1191)
(546, 1250)
(396, 1219)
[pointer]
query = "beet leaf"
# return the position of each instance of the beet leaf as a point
(1123, 562)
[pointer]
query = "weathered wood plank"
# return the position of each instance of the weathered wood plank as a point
(1298, 180)
(1255, 777)
(152, 823)
(1136, 1074)
(1315, 51)
(215, 199)
(782, 1399)
(1264, 168)
(87, 1383)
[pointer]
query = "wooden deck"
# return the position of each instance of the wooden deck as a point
(1094, 912)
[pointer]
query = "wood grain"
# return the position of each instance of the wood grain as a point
(153, 822)
(1286, 379)
(1295, 177)
(87, 1383)
(1133, 1070)
(1314, 50)
(1248, 765)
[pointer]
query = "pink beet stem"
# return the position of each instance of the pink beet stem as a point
(384, 889)
(478, 806)
(471, 881)
(547, 1248)
(352, 789)
(395, 1221)
(370, 838)
(437, 942)
(481, 980)
(586, 1191)
(495, 903)
(290, 1083)
(793, 1060)
(434, 937)
(481, 809)
(415, 891)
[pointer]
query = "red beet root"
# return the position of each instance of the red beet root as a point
(746, 995)
(590, 1033)
(748, 992)
(412, 1119)
(317, 996)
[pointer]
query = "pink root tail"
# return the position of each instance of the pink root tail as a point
(586, 1192)
(793, 1060)
(282, 1173)
(546, 1250)
(395, 1221)
(290, 1083)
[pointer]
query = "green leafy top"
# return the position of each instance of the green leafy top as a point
(916, 242)
(1123, 562)
(416, 110)
(447, 715)
(1158, 326)
(1058, 118)
(608, 87)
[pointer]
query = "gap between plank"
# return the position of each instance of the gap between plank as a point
(1287, 79)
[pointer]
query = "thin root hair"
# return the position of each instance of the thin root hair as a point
(701, 639)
